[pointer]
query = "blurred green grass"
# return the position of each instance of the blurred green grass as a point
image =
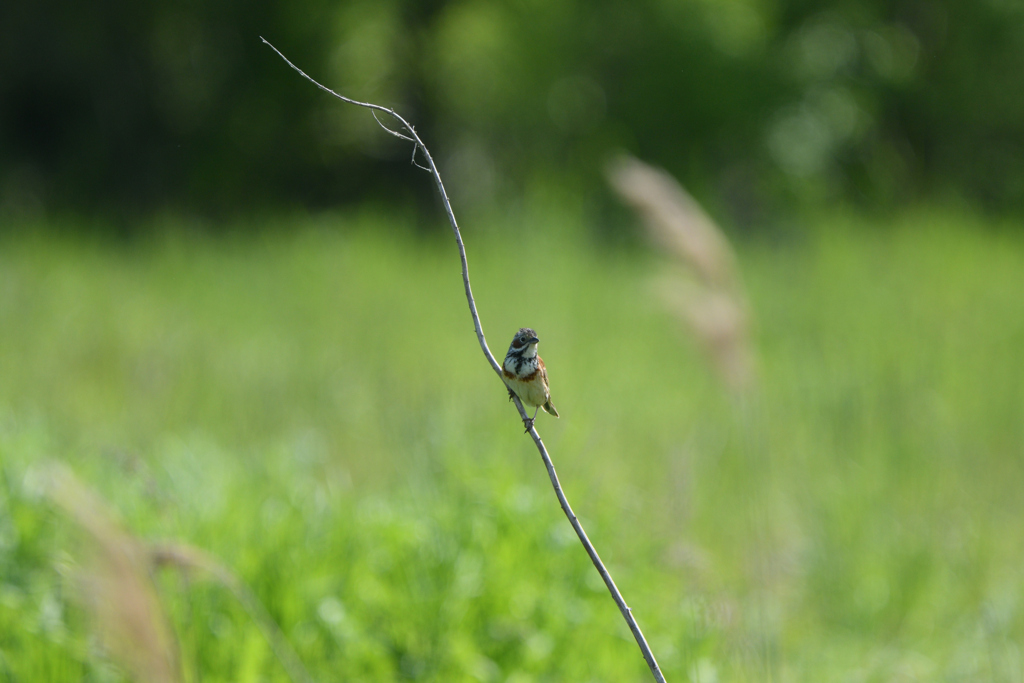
(312, 407)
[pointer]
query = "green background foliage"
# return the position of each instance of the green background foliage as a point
(231, 306)
(311, 407)
(757, 105)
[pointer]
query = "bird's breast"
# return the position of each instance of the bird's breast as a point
(523, 376)
(523, 369)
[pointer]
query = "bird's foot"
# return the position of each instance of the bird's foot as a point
(528, 423)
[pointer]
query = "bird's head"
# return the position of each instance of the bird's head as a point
(524, 343)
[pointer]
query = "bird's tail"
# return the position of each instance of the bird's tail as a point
(550, 409)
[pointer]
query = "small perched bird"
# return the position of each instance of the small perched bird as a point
(526, 375)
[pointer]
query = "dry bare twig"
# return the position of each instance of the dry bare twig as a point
(411, 135)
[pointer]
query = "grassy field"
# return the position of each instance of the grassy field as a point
(311, 407)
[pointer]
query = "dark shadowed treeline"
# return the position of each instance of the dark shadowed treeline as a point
(757, 105)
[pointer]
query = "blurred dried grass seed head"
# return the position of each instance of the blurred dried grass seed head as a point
(116, 588)
(675, 221)
(114, 585)
(708, 296)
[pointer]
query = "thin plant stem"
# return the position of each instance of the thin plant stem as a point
(185, 558)
(412, 136)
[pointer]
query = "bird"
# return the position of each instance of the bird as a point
(525, 375)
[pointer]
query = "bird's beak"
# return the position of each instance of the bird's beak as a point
(533, 340)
